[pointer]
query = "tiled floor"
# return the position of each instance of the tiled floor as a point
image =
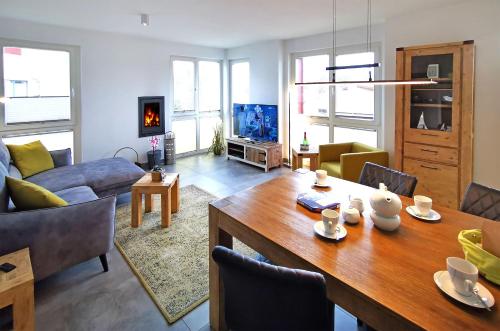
(85, 298)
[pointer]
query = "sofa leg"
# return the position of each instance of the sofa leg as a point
(104, 262)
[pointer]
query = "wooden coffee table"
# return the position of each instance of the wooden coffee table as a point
(298, 156)
(16, 289)
(170, 197)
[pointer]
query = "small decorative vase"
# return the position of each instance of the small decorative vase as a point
(154, 158)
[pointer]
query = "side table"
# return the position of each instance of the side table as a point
(298, 156)
(16, 289)
(169, 190)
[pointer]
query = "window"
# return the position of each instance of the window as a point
(39, 86)
(341, 113)
(240, 82)
(197, 102)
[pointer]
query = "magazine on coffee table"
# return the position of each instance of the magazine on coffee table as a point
(317, 201)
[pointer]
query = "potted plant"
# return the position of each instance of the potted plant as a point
(218, 144)
(155, 155)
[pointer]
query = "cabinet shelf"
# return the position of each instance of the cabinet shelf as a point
(431, 105)
(432, 89)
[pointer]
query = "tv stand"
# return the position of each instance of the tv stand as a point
(264, 155)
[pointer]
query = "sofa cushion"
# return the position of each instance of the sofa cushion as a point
(4, 192)
(31, 158)
(77, 194)
(61, 157)
(103, 176)
(332, 168)
(28, 196)
(4, 155)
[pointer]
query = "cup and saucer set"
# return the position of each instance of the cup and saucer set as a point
(422, 209)
(321, 179)
(329, 226)
(459, 281)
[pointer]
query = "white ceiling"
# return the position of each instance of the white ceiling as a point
(217, 23)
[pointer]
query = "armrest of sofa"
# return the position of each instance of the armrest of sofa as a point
(61, 157)
(351, 164)
(332, 152)
(60, 237)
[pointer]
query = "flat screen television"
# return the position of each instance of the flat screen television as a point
(257, 122)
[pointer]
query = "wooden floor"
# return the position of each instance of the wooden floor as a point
(85, 298)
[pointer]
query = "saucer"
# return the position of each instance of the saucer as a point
(321, 185)
(319, 228)
(443, 281)
(432, 217)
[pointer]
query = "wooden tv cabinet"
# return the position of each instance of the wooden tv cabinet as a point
(266, 155)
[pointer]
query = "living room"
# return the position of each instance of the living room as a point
(231, 106)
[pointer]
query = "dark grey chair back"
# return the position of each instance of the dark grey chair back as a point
(260, 296)
(481, 201)
(396, 181)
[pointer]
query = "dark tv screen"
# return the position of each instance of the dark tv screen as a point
(254, 121)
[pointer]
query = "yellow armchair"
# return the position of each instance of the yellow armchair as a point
(347, 160)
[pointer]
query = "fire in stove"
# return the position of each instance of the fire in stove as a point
(151, 118)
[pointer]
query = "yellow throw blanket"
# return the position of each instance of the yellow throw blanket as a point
(487, 263)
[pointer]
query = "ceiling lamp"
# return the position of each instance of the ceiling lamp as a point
(370, 81)
(145, 19)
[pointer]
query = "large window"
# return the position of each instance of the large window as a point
(38, 93)
(343, 113)
(197, 102)
(239, 76)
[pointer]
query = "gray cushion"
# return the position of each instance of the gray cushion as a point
(101, 175)
(4, 155)
(61, 157)
(14, 172)
(77, 194)
(4, 194)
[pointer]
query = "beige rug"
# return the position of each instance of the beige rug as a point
(171, 263)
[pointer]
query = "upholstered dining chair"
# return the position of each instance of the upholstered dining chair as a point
(396, 181)
(481, 201)
(260, 296)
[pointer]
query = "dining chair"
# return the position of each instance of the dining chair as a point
(396, 181)
(260, 296)
(481, 201)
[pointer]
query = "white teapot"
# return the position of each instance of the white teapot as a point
(385, 203)
(386, 207)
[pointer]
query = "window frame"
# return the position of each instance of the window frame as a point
(197, 114)
(230, 89)
(50, 126)
(336, 121)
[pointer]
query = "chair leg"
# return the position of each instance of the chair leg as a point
(104, 262)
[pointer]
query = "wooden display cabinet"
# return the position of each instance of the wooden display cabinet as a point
(434, 123)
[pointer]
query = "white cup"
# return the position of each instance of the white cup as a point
(463, 275)
(321, 177)
(330, 220)
(351, 215)
(423, 204)
(357, 203)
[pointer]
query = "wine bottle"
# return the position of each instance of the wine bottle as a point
(305, 142)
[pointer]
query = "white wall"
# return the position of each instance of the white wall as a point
(115, 70)
(471, 20)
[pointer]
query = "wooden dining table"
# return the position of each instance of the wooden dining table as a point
(383, 278)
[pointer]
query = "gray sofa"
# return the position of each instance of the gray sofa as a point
(62, 237)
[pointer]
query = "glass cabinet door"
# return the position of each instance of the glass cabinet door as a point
(431, 111)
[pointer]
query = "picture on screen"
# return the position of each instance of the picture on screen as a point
(258, 122)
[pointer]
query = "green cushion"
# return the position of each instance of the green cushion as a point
(31, 158)
(332, 168)
(27, 196)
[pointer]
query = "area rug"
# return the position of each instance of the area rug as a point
(171, 263)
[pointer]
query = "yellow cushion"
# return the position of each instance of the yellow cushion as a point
(332, 168)
(487, 263)
(26, 195)
(31, 158)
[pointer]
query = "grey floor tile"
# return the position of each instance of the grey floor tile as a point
(197, 318)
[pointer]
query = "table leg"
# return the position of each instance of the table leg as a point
(136, 208)
(313, 163)
(294, 162)
(299, 162)
(148, 203)
(176, 196)
(216, 237)
(23, 308)
(166, 209)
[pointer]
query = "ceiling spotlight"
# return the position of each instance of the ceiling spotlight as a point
(145, 19)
